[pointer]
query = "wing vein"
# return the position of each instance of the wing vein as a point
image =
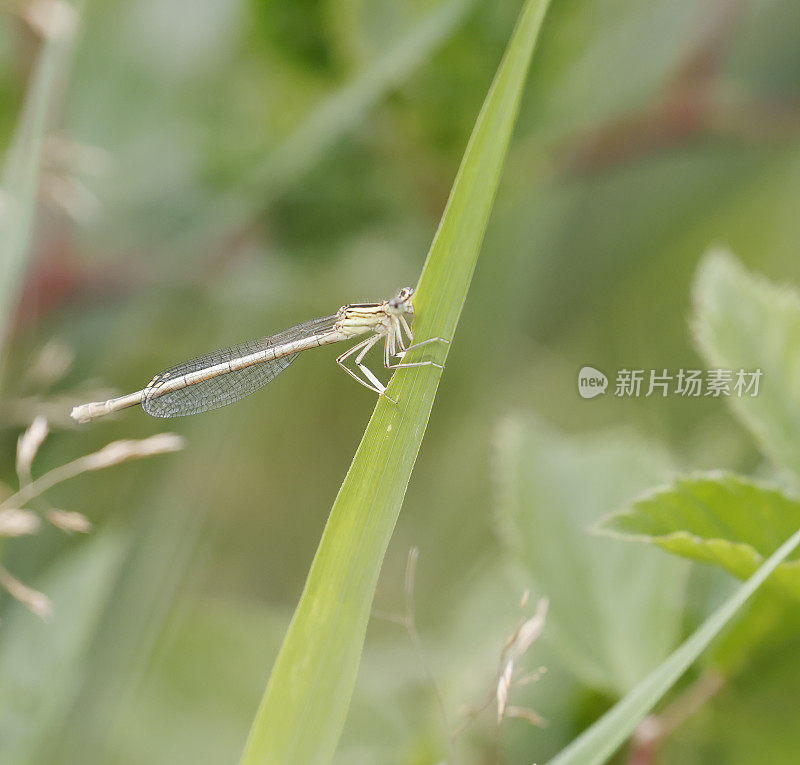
(229, 387)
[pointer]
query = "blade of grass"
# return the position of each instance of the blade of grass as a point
(306, 700)
(21, 170)
(601, 740)
(332, 119)
(346, 108)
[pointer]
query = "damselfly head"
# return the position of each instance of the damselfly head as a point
(401, 302)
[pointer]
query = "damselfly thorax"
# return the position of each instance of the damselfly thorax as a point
(227, 375)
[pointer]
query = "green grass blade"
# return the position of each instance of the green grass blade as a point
(346, 108)
(329, 122)
(20, 177)
(599, 742)
(304, 707)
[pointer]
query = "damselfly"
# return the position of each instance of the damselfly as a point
(224, 376)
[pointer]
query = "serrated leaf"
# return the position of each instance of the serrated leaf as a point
(744, 321)
(719, 518)
(553, 488)
(596, 744)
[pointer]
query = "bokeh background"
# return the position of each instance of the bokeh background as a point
(216, 171)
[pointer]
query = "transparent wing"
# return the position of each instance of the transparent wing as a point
(226, 388)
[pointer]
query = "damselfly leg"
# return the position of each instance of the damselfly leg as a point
(372, 382)
(392, 339)
(402, 354)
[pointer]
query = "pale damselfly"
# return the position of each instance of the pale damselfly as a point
(224, 376)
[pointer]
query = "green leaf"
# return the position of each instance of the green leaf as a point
(20, 176)
(743, 321)
(719, 518)
(602, 739)
(306, 700)
(552, 489)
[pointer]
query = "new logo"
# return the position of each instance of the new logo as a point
(591, 382)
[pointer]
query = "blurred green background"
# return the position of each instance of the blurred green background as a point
(247, 165)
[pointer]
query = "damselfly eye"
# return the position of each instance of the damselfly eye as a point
(402, 296)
